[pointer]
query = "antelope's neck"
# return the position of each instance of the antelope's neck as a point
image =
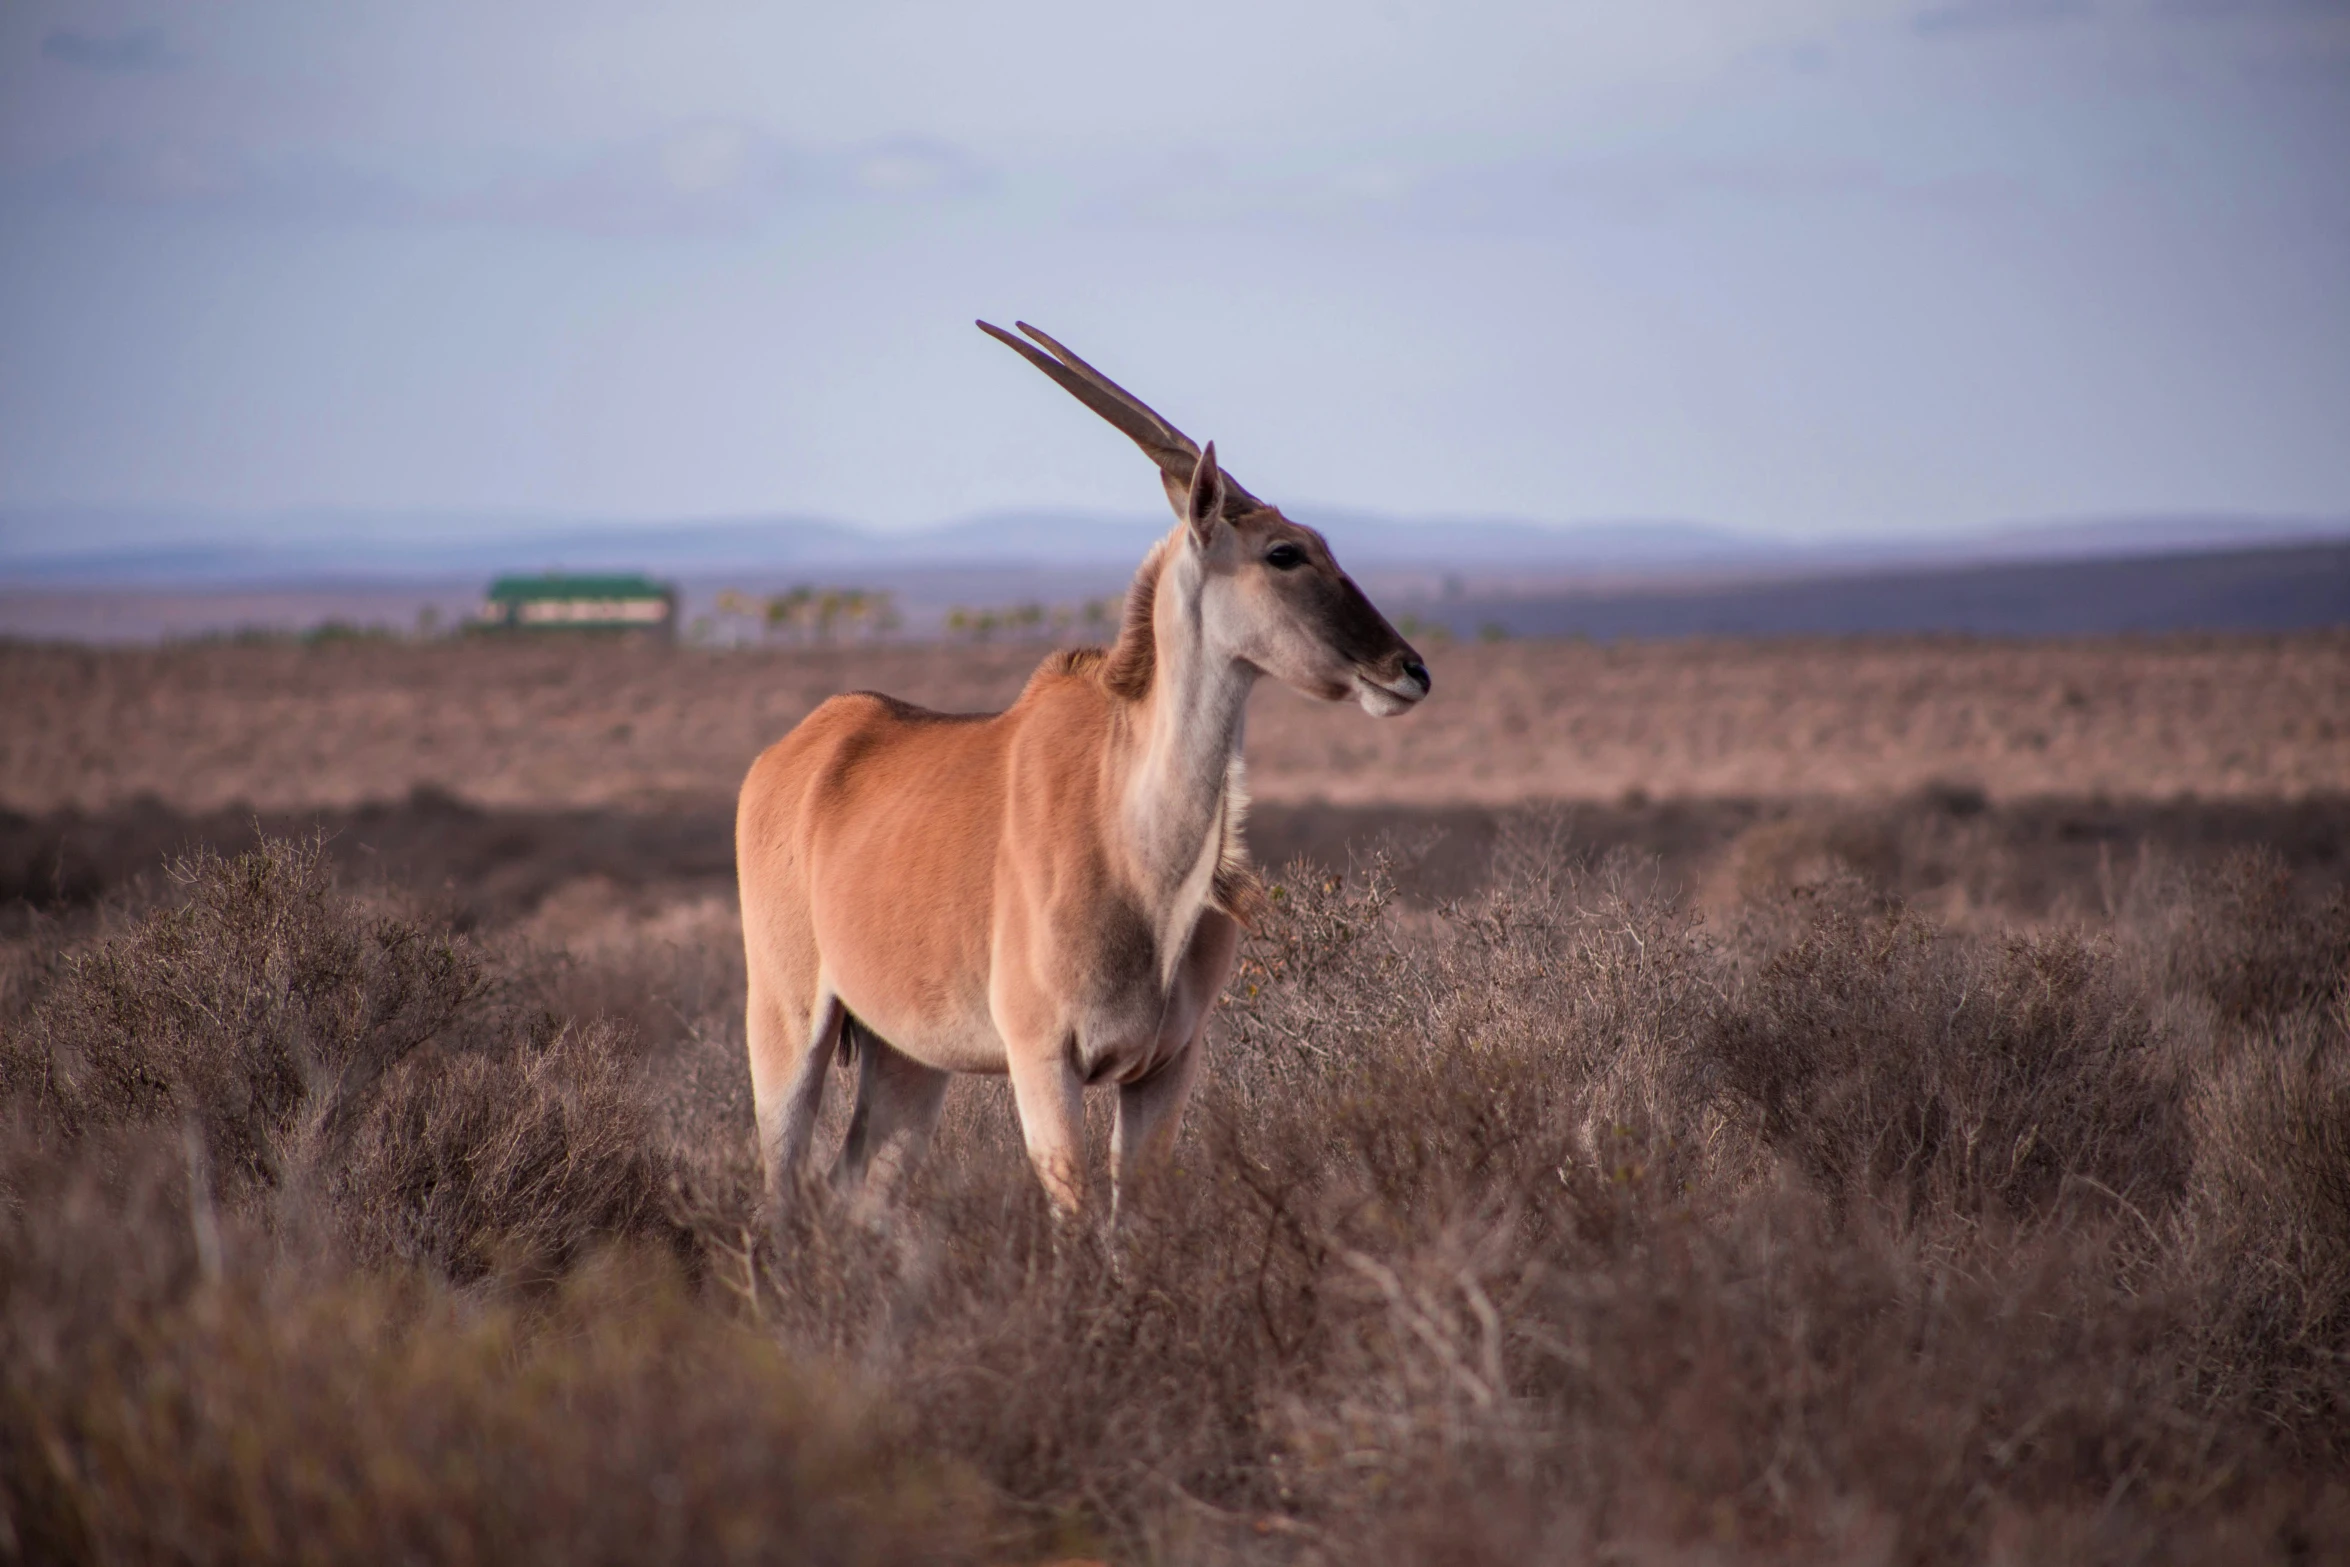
(1179, 797)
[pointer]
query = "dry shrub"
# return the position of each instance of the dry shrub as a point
(2270, 1221)
(1554, 1223)
(305, 1417)
(249, 1146)
(1827, 1234)
(315, 1052)
(1099, 1387)
(2244, 938)
(1956, 1081)
(258, 1006)
(465, 1160)
(1772, 859)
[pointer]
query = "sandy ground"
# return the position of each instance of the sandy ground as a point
(606, 724)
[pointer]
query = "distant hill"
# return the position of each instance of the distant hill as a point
(2289, 588)
(162, 549)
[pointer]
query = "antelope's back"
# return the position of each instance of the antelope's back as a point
(871, 832)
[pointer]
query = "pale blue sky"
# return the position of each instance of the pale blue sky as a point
(1817, 266)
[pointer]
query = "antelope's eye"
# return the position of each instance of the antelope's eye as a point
(1285, 557)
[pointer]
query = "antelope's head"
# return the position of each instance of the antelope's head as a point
(1271, 593)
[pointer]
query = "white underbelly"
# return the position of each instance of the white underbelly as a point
(953, 1041)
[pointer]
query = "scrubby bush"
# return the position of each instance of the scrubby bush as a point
(1949, 1081)
(320, 1416)
(260, 1008)
(313, 1053)
(1555, 1223)
(2242, 938)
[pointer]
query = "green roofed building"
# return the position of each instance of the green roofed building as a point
(566, 603)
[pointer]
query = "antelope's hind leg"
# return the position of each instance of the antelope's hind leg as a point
(791, 1049)
(898, 1100)
(1150, 1112)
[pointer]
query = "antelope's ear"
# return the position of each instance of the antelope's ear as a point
(1203, 508)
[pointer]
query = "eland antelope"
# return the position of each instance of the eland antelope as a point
(1054, 891)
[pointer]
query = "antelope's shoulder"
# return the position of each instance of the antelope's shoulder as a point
(1064, 713)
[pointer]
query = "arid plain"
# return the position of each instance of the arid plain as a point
(1838, 1100)
(200, 727)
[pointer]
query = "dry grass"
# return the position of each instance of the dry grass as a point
(571, 725)
(1554, 1224)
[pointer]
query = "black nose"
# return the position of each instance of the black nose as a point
(1419, 671)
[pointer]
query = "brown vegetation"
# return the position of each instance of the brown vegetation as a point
(1551, 1224)
(1952, 852)
(582, 723)
(1897, 1107)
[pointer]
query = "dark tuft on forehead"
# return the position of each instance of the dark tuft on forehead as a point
(1262, 517)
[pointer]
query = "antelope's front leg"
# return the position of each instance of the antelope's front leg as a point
(1051, 1100)
(1150, 1111)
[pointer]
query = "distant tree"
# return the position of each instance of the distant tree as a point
(739, 613)
(1432, 633)
(786, 612)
